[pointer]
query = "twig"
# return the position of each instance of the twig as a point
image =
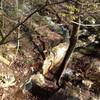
(18, 34)
(95, 25)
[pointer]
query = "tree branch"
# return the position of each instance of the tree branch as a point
(20, 23)
(95, 25)
(63, 66)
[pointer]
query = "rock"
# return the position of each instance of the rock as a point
(7, 77)
(87, 83)
(63, 94)
(52, 61)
